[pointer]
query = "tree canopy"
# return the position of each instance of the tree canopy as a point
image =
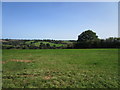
(87, 36)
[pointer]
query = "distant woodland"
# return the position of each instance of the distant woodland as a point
(87, 39)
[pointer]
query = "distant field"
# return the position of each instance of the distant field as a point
(37, 44)
(60, 68)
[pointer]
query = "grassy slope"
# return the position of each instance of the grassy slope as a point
(51, 44)
(61, 68)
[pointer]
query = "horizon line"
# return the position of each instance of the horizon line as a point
(48, 38)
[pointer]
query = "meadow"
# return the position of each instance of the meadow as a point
(60, 68)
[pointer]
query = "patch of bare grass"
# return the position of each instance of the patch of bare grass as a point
(16, 60)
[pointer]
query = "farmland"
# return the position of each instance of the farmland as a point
(60, 68)
(36, 44)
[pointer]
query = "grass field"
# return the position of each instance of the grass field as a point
(51, 44)
(60, 68)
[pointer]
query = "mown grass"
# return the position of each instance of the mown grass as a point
(61, 68)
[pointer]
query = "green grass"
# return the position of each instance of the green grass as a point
(61, 68)
(69, 42)
(51, 44)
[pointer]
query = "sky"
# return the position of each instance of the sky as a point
(58, 20)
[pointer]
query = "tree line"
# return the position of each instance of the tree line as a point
(87, 39)
(34, 44)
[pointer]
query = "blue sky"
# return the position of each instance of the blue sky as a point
(58, 20)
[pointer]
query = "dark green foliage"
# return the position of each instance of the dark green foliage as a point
(35, 44)
(89, 39)
(88, 35)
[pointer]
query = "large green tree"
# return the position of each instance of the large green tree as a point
(88, 35)
(86, 39)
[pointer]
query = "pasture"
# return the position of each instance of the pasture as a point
(60, 68)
